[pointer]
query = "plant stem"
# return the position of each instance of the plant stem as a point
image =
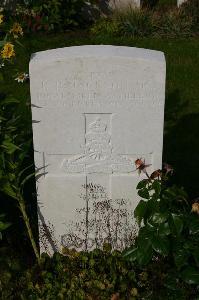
(28, 227)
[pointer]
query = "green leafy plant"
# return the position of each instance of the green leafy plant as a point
(13, 144)
(3, 224)
(13, 152)
(169, 227)
(170, 22)
(55, 14)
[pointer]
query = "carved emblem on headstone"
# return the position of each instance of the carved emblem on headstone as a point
(98, 155)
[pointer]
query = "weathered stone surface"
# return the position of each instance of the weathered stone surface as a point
(98, 108)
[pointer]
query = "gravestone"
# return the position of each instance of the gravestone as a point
(123, 4)
(95, 110)
(179, 2)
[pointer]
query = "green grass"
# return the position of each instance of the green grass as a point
(181, 141)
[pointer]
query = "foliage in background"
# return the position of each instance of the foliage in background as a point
(56, 15)
(174, 22)
(190, 8)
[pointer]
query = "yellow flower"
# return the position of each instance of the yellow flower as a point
(195, 207)
(8, 51)
(134, 292)
(16, 30)
(1, 19)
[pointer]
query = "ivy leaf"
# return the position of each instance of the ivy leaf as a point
(140, 211)
(161, 245)
(191, 275)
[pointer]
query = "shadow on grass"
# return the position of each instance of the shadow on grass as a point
(181, 143)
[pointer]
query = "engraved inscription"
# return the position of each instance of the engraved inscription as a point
(95, 88)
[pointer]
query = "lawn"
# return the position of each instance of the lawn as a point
(181, 141)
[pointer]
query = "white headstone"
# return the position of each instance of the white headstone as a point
(123, 4)
(96, 109)
(179, 2)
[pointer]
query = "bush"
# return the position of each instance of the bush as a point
(100, 275)
(169, 230)
(54, 14)
(173, 24)
(190, 9)
(131, 22)
(136, 22)
(128, 22)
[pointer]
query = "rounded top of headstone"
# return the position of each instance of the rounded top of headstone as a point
(61, 54)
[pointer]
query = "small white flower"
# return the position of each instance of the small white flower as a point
(2, 65)
(22, 77)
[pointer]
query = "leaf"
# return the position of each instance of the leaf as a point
(156, 185)
(4, 225)
(2, 43)
(8, 190)
(180, 258)
(194, 226)
(25, 180)
(140, 211)
(144, 254)
(161, 245)
(131, 253)
(177, 223)
(142, 184)
(196, 255)
(10, 147)
(24, 170)
(9, 100)
(190, 275)
(159, 218)
(171, 281)
(143, 193)
(20, 44)
(164, 229)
